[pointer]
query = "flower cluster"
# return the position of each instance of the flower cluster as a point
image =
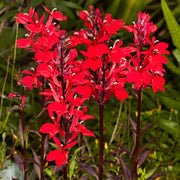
(56, 68)
(67, 83)
(146, 63)
(104, 65)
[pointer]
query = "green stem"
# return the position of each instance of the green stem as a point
(137, 135)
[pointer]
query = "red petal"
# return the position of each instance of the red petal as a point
(120, 94)
(87, 132)
(28, 81)
(98, 50)
(44, 70)
(33, 28)
(71, 144)
(57, 107)
(85, 117)
(161, 47)
(157, 83)
(85, 91)
(62, 158)
(23, 43)
(49, 128)
(93, 63)
(58, 16)
(22, 18)
(57, 142)
(53, 155)
(45, 56)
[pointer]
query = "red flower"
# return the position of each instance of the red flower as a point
(25, 18)
(58, 108)
(60, 156)
(45, 57)
(146, 67)
(139, 78)
(23, 43)
(157, 83)
(31, 80)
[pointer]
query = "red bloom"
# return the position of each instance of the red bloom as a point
(157, 83)
(146, 67)
(45, 56)
(31, 80)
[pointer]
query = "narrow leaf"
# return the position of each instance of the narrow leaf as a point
(13, 108)
(144, 147)
(123, 149)
(36, 164)
(143, 157)
(18, 159)
(88, 169)
(154, 176)
(113, 7)
(126, 168)
(84, 178)
(146, 126)
(172, 24)
(176, 53)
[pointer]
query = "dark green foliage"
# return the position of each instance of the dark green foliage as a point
(162, 108)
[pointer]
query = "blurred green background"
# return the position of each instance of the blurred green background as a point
(162, 107)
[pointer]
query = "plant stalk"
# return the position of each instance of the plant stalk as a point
(42, 135)
(101, 109)
(139, 93)
(101, 112)
(24, 140)
(80, 153)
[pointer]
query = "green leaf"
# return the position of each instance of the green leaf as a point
(176, 53)
(169, 102)
(173, 68)
(68, 4)
(33, 3)
(169, 127)
(113, 8)
(90, 2)
(172, 24)
(9, 14)
(130, 8)
(73, 162)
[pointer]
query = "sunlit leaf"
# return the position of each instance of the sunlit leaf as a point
(172, 24)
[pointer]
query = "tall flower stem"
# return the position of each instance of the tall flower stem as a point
(24, 139)
(139, 93)
(65, 143)
(80, 153)
(101, 112)
(101, 109)
(42, 135)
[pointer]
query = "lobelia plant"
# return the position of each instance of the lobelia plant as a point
(56, 68)
(145, 70)
(104, 65)
(65, 83)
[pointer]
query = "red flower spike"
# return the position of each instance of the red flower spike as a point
(146, 69)
(57, 65)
